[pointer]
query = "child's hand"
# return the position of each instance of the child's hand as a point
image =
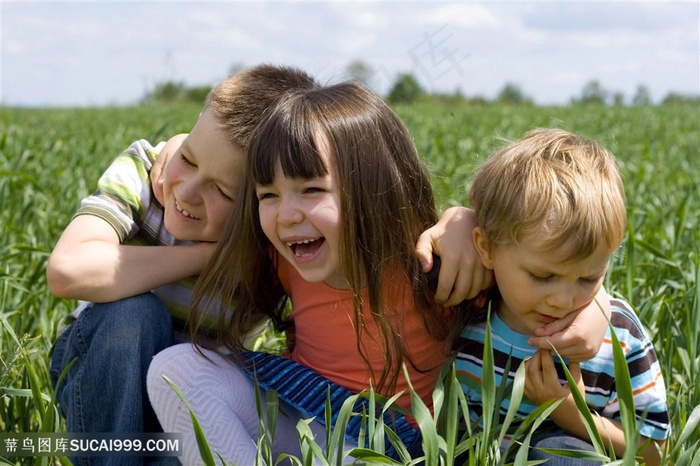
(542, 384)
(542, 381)
(577, 336)
(462, 275)
(159, 165)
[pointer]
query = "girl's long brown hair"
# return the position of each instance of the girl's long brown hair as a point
(386, 203)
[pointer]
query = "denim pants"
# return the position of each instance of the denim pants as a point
(560, 440)
(557, 439)
(105, 389)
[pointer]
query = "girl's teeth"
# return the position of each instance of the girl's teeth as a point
(306, 241)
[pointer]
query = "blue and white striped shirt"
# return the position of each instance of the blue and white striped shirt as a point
(598, 373)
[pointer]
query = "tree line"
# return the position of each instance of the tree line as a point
(407, 89)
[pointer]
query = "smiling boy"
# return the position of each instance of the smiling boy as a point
(134, 296)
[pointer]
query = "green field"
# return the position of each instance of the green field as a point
(50, 159)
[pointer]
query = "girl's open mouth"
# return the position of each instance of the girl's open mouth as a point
(306, 248)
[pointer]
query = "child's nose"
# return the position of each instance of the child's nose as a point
(190, 191)
(563, 299)
(289, 212)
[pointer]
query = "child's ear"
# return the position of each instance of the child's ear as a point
(483, 247)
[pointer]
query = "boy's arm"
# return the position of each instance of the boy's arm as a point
(542, 384)
(90, 264)
(579, 335)
(462, 275)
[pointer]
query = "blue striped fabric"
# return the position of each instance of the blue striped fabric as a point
(306, 390)
(598, 373)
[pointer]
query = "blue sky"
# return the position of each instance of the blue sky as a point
(97, 53)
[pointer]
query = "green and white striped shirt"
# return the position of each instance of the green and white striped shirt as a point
(125, 200)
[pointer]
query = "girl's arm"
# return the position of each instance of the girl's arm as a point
(461, 275)
(542, 384)
(579, 335)
(90, 264)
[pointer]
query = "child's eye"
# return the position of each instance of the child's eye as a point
(224, 195)
(590, 281)
(314, 189)
(262, 195)
(540, 278)
(186, 161)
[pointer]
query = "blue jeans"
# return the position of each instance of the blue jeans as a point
(105, 390)
(560, 440)
(557, 439)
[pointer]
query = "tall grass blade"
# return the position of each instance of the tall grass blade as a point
(337, 442)
(264, 444)
(625, 396)
(582, 408)
(202, 443)
(691, 426)
(310, 450)
(488, 397)
(448, 422)
(529, 425)
(686, 453)
(516, 392)
(426, 424)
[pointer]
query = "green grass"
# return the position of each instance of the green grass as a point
(50, 159)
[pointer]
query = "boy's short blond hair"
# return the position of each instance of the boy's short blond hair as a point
(554, 186)
(240, 101)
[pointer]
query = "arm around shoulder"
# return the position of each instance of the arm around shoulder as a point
(80, 256)
(461, 275)
(90, 264)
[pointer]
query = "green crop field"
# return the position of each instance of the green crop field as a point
(50, 159)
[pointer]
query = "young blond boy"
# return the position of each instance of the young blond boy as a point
(550, 212)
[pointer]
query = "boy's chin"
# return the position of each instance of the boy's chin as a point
(194, 238)
(183, 234)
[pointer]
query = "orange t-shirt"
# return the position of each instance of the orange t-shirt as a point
(325, 339)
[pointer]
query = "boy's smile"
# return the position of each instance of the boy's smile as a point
(184, 212)
(200, 181)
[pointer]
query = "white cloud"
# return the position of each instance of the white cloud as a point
(12, 46)
(112, 51)
(674, 55)
(606, 40)
(470, 15)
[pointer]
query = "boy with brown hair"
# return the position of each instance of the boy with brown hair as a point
(134, 296)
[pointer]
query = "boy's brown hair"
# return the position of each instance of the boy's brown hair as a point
(241, 101)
